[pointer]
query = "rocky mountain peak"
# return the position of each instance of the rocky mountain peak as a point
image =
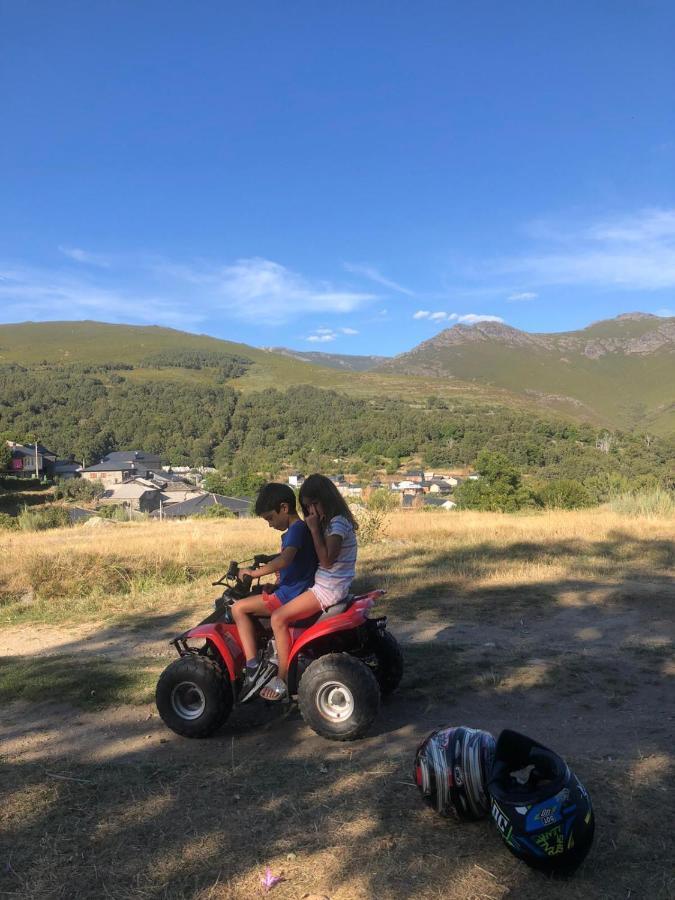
(635, 316)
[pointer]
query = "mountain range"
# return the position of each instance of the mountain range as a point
(619, 372)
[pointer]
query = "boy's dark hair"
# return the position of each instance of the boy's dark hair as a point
(272, 495)
(318, 488)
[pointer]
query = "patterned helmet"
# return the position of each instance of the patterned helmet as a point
(451, 769)
(542, 810)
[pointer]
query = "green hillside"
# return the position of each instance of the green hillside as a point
(621, 371)
(86, 388)
(618, 373)
(33, 344)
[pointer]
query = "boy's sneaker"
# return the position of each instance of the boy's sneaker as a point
(256, 680)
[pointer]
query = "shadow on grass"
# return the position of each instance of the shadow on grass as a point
(448, 577)
(203, 819)
(85, 682)
(185, 819)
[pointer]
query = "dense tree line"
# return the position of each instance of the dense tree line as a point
(89, 414)
(86, 416)
(227, 364)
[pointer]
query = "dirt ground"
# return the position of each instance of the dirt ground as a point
(109, 803)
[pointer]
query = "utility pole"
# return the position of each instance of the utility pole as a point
(37, 471)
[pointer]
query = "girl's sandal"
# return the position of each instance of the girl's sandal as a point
(274, 690)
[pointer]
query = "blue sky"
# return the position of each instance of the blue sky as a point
(346, 177)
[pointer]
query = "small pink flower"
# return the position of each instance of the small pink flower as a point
(268, 880)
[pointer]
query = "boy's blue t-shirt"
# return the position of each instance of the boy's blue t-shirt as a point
(299, 576)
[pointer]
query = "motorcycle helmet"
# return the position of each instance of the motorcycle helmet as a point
(451, 769)
(540, 807)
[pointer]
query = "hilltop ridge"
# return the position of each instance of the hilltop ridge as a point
(617, 372)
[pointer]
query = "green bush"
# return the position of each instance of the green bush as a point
(8, 522)
(78, 489)
(41, 519)
(383, 499)
(117, 512)
(243, 486)
(564, 493)
(499, 488)
(5, 456)
(216, 512)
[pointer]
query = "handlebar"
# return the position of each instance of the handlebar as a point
(233, 570)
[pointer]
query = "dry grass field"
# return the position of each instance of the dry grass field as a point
(557, 624)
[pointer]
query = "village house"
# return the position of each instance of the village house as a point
(65, 468)
(31, 460)
(407, 486)
(416, 475)
(132, 496)
(122, 465)
(439, 502)
(437, 486)
(174, 489)
(296, 480)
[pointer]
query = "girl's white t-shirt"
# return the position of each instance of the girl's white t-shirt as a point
(341, 574)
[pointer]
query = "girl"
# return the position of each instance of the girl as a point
(333, 528)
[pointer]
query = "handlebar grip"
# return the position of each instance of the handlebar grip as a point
(262, 558)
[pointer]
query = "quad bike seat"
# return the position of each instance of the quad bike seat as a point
(328, 614)
(337, 608)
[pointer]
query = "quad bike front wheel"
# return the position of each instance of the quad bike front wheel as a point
(339, 697)
(194, 696)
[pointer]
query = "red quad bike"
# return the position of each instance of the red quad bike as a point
(341, 663)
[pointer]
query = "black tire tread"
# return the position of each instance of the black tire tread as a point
(360, 680)
(213, 680)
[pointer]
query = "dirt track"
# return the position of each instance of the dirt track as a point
(589, 679)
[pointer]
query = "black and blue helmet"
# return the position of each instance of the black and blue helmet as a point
(540, 807)
(451, 769)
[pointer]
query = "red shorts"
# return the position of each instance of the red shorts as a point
(271, 601)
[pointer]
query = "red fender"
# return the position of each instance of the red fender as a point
(349, 619)
(225, 642)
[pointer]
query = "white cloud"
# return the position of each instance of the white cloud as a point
(142, 289)
(465, 319)
(665, 313)
(375, 275)
(83, 256)
(264, 291)
(647, 225)
(324, 335)
(472, 318)
(635, 252)
(28, 293)
(522, 296)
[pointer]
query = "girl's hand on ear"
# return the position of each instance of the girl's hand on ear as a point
(311, 519)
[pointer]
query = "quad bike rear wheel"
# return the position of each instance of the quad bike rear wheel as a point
(339, 697)
(388, 656)
(194, 696)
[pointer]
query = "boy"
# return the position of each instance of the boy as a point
(295, 567)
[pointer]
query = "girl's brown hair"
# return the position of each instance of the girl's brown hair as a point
(319, 489)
